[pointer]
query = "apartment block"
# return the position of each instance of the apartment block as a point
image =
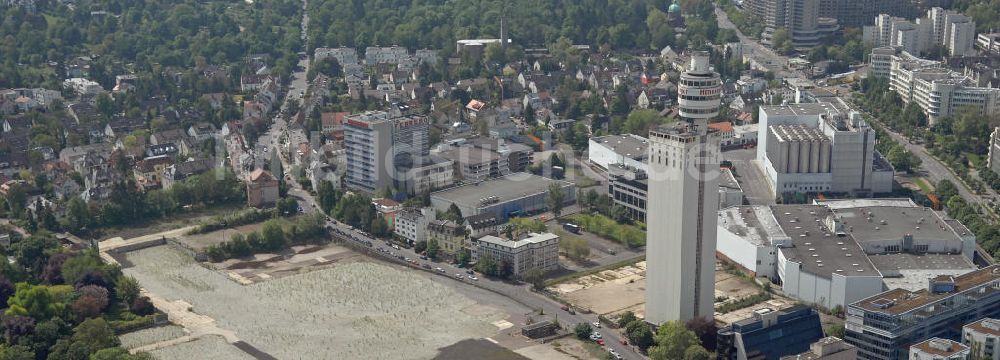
(884, 326)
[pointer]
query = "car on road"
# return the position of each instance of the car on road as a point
(425, 266)
(439, 269)
(599, 342)
(596, 335)
(458, 276)
(596, 324)
(473, 278)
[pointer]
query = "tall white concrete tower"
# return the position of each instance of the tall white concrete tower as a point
(683, 200)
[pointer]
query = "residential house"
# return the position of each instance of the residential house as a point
(122, 126)
(481, 225)
(388, 208)
(449, 235)
(262, 189)
(179, 172)
(148, 171)
(333, 124)
(252, 82)
(173, 136)
(412, 224)
(168, 149)
(201, 131)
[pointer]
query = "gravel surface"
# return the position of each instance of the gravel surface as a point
(208, 347)
(351, 311)
(149, 336)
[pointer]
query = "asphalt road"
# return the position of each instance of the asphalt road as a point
(757, 48)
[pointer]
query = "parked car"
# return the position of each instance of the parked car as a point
(596, 324)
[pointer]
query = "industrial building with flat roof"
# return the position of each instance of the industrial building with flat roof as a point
(883, 326)
(517, 194)
(820, 147)
(629, 150)
(835, 252)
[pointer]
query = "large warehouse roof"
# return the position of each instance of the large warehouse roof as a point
(513, 186)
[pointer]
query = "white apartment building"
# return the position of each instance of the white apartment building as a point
(83, 86)
(381, 55)
(947, 28)
(537, 251)
(411, 224)
(982, 338)
(344, 55)
(939, 91)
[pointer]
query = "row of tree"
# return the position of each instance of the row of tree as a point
(65, 304)
(273, 237)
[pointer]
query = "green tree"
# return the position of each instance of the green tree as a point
(16, 352)
(781, 41)
(556, 199)
(626, 318)
(117, 353)
(273, 236)
(672, 339)
(453, 213)
(463, 257)
(35, 301)
(640, 121)
(946, 190)
(326, 195)
(696, 352)
(433, 249)
(536, 278)
(76, 267)
(33, 252)
(640, 334)
(487, 265)
(96, 334)
(582, 331)
(126, 289)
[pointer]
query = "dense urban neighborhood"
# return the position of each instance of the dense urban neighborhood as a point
(626, 179)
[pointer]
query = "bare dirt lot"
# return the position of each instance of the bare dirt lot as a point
(348, 311)
(614, 291)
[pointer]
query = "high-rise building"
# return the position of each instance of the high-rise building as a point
(391, 150)
(951, 29)
(683, 201)
(800, 17)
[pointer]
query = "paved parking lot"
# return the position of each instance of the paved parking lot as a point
(750, 177)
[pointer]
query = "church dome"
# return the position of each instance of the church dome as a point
(674, 8)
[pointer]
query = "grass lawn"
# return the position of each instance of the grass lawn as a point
(924, 185)
(629, 235)
(975, 159)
